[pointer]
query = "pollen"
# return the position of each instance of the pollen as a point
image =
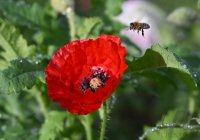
(97, 78)
(95, 83)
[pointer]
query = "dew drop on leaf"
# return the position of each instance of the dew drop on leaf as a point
(154, 129)
(184, 66)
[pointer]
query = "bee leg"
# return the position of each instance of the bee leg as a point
(138, 31)
(142, 32)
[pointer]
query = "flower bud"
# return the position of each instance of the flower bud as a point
(62, 5)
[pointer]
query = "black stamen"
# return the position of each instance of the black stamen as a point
(85, 84)
(98, 73)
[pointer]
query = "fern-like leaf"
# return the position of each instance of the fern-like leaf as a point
(92, 31)
(32, 16)
(52, 125)
(20, 75)
(12, 44)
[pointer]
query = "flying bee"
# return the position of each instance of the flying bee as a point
(139, 26)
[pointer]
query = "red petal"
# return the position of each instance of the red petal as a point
(73, 62)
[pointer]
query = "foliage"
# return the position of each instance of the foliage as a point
(51, 127)
(19, 75)
(166, 134)
(84, 31)
(159, 93)
(13, 45)
(32, 16)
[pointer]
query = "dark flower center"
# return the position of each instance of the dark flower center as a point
(96, 79)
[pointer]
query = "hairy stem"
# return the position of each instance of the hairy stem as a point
(103, 123)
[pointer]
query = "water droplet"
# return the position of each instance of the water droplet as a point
(36, 62)
(188, 126)
(184, 66)
(21, 61)
(195, 75)
(154, 129)
(168, 125)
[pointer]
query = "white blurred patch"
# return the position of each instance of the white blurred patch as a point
(144, 12)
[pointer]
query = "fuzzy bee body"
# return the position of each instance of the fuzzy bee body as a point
(139, 26)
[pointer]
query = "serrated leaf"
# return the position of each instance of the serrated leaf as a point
(169, 133)
(36, 18)
(88, 27)
(21, 13)
(20, 75)
(52, 125)
(157, 58)
(12, 43)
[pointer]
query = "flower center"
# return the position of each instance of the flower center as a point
(96, 79)
(95, 83)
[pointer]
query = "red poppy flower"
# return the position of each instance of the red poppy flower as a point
(84, 73)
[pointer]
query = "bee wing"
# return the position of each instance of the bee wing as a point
(146, 19)
(137, 18)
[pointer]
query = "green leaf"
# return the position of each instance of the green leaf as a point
(164, 133)
(109, 8)
(12, 43)
(52, 125)
(158, 58)
(97, 8)
(88, 27)
(32, 16)
(113, 8)
(36, 18)
(20, 75)
(12, 128)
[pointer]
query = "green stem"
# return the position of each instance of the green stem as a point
(103, 123)
(86, 121)
(71, 19)
(88, 132)
(40, 101)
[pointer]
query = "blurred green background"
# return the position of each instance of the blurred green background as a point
(145, 98)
